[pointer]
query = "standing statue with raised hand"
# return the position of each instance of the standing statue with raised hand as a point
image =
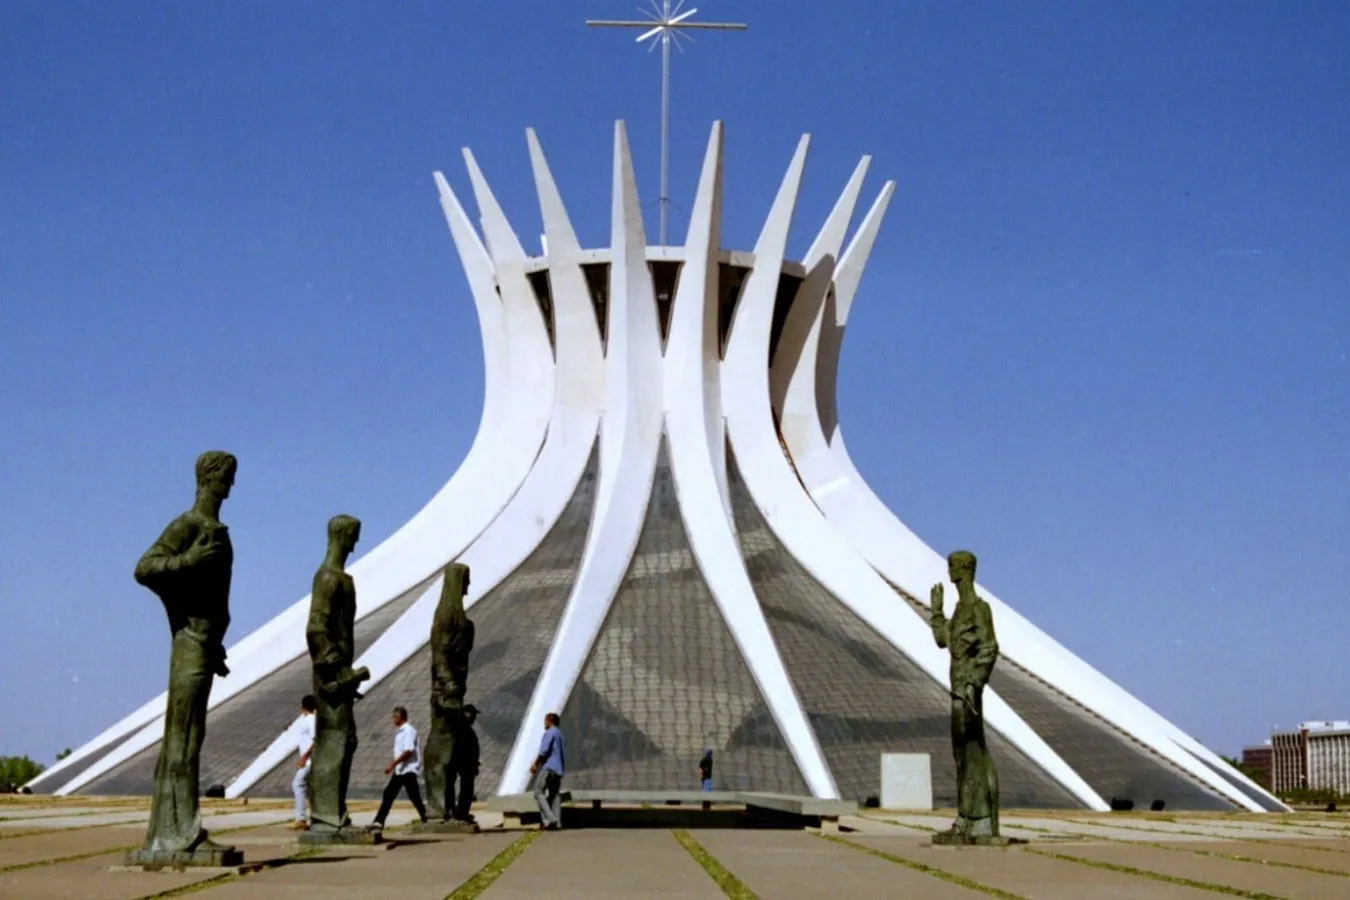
(189, 568)
(451, 643)
(969, 635)
(331, 635)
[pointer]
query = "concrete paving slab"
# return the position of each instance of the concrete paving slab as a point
(796, 866)
(1280, 882)
(1219, 830)
(57, 844)
(594, 862)
(424, 870)
(1031, 876)
(7, 815)
(874, 825)
(1090, 830)
(80, 821)
(90, 880)
(224, 821)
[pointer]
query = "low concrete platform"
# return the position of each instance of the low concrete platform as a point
(453, 826)
(781, 810)
(221, 857)
(351, 836)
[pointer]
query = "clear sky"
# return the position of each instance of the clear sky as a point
(1103, 339)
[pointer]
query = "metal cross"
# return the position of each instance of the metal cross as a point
(666, 26)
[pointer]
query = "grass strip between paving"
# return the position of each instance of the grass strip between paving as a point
(7, 836)
(1158, 876)
(931, 870)
(483, 878)
(207, 883)
(1216, 854)
(1276, 842)
(732, 886)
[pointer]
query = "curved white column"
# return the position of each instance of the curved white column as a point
(552, 480)
(510, 431)
(796, 521)
(630, 440)
(811, 432)
(694, 434)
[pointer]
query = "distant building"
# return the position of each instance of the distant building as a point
(1257, 761)
(1315, 757)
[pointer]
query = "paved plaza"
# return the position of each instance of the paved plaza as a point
(53, 848)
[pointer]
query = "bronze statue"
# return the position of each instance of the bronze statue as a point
(969, 635)
(331, 638)
(189, 568)
(451, 642)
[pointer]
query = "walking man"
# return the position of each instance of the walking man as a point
(304, 745)
(705, 770)
(402, 771)
(548, 773)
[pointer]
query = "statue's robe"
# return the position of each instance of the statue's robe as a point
(451, 642)
(969, 635)
(197, 600)
(331, 635)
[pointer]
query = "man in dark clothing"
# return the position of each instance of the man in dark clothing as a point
(705, 769)
(464, 764)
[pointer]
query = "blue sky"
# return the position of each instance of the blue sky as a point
(1103, 340)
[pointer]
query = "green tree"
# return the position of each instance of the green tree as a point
(1240, 767)
(63, 754)
(16, 771)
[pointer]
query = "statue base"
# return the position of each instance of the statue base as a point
(154, 860)
(447, 826)
(348, 836)
(947, 839)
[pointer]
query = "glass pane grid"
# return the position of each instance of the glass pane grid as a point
(665, 679)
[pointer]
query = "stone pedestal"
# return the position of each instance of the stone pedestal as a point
(947, 839)
(906, 781)
(209, 858)
(452, 826)
(348, 836)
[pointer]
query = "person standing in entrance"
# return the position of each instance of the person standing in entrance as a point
(705, 770)
(548, 773)
(402, 771)
(304, 745)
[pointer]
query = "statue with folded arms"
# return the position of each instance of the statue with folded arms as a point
(189, 568)
(969, 636)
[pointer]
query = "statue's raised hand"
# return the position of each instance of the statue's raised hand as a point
(935, 597)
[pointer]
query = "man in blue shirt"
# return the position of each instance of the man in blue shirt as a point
(548, 772)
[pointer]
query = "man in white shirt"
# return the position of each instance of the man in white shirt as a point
(403, 771)
(304, 745)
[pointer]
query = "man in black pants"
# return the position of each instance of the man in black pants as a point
(465, 763)
(403, 770)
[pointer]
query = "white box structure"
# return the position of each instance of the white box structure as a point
(906, 781)
(671, 546)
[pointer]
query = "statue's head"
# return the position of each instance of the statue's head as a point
(215, 473)
(961, 567)
(454, 587)
(344, 531)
